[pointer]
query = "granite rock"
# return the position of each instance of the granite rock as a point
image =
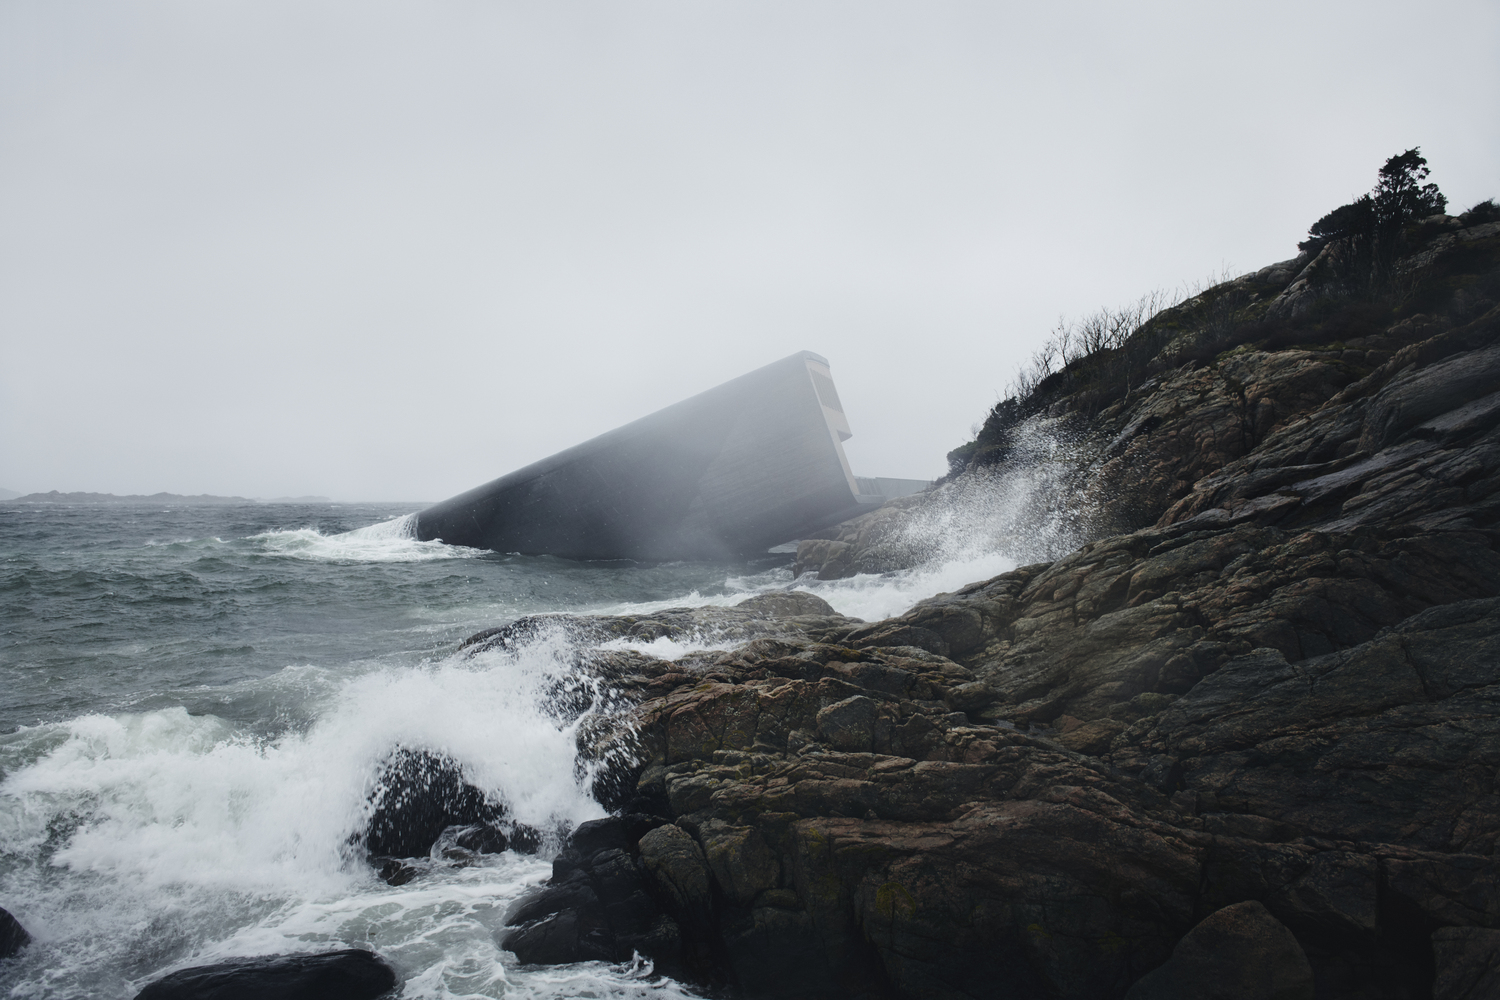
(1238, 953)
(13, 936)
(336, 975)
(1251, 721)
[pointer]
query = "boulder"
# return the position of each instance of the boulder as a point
(336, 975)
(13, 936)
(1238, 953)
(564, 923)
(678, 869)
(420, 795)
(787, 604)
(393, 871)
(599, 905)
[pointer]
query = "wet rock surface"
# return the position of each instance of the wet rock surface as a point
(334, 975)
(1350, 415)
(774, 614)
(422, 802)
(1256, 727)
(13, 936)
(1238, 953)
(1468, 963)
(601, 903)
(886, 820)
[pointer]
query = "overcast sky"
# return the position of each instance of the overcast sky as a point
(391, 250)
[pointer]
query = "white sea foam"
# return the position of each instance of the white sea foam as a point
(983, 524)
(135, 843)
(873, 597)
(162, 833)
(868, 596)
(387, 541)
(666, 648)
(692, 599)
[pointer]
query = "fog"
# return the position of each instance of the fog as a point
(391, 250)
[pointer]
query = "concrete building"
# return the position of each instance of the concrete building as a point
(746, 465)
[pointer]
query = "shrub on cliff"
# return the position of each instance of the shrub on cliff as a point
(1400, 195)
(1350, 259)
(1369, 233)
(1485, 211)
(1345, 222)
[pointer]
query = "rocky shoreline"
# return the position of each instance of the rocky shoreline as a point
(1238, 737)
(1258, 730)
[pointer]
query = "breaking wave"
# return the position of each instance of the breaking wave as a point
(393, 541)
(136, 842)
(1027, 508)
(211, 817)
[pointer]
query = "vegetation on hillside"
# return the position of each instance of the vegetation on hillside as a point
(1355, 263)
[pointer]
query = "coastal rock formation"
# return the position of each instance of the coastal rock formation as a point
(1238, 953)
(1468, 963)
(917, 850)
(1241, 411)
(774, 614)
(606, 899)
(1253, 724)
(336, 975)
(13, 936)
(422, 796)
(423, 806)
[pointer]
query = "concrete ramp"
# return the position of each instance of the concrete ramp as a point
(735, 470)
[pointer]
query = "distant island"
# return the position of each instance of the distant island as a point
(201, 499)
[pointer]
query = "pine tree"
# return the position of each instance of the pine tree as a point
(1370, 231)
(1400, 196)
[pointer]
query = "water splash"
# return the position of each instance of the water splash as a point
(668, 647)
(138, 842)
(394, 540)
(874, 596)
(987, 521)
(1028, 508)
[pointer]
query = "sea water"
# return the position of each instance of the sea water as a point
(195, 702)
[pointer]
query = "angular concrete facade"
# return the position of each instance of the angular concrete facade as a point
(746, 465)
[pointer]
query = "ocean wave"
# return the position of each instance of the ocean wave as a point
(188, 838)
(393, 541)
(867, 596)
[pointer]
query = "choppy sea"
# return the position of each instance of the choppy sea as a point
(195, 702)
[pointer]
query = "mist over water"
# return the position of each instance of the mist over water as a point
(198, 703)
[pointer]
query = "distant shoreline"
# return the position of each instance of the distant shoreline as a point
(202, 499)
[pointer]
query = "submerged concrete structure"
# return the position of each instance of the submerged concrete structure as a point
(735, 470)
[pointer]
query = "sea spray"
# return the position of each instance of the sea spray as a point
(215, 709)
(1027, 508)
(394, 540)
(159, 838)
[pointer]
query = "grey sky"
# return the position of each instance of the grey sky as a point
(391, 250)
